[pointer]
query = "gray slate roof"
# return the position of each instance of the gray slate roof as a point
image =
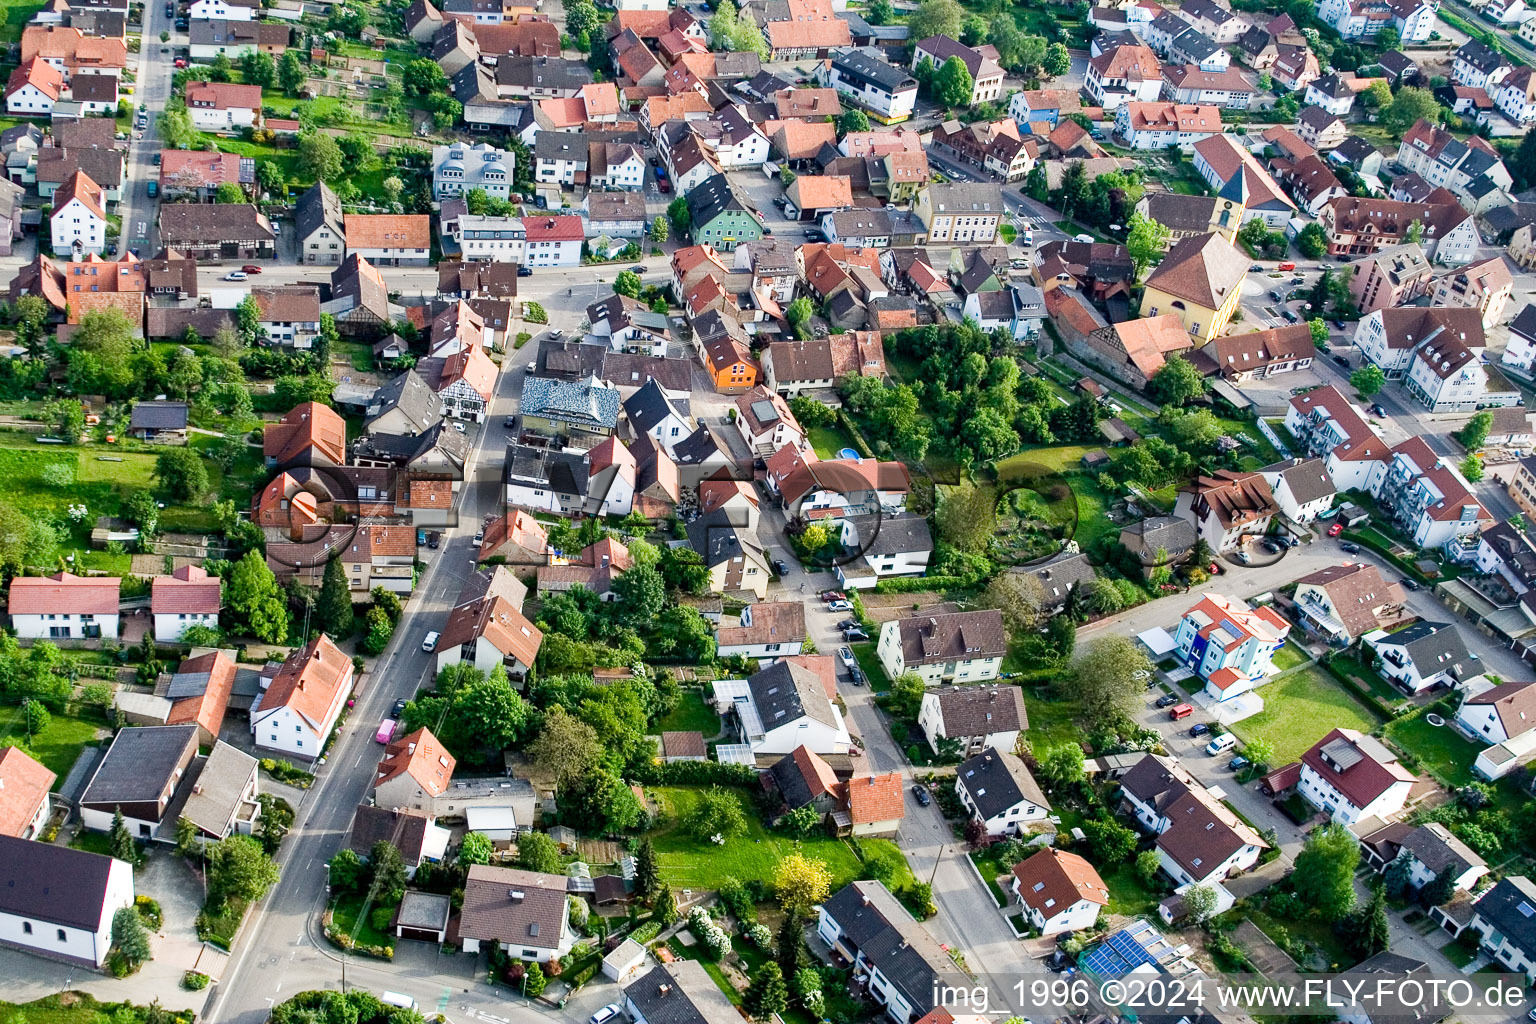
(158, 416)
(997, 780)
(139, 765)
(680, 993)
(784, 692)
(649, 406)
(587, 402)
(51, 883)
(1434, 647)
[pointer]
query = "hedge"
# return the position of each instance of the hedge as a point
(917, 584)
(1366, 696)
(695, 773)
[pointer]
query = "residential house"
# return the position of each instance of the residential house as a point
(1346, 602)
(1351, 776)
(234, 39)
(1479, 66)
(1228, 506)
(628, 325)
(973, 717)
(997, 790)
(223, 799)
(1485, 287)
(996, 146)
(78, 224)
(1422, 656)
(616, 214)
(1188, 84)
(415, 834)
(553, 241)
(459, 168)
(202, 231)
(1199, 840)
(187, 597)
(414, 772)
(139, 775)
(301, 700)
(1159, 125)
(899, 962)
(680, 992)
(1133, 350)
(525, 913)
(223, 107)
(1200, 281)
(64, 606)
(359, 299)
(1426, 496)
(59, 902)
(389, 240)
(781, 707)
(1060, 891)
(960, 647)
(1230, 645)
(959, 212)
(581, 414)
(159, 422)
(986, 75)
(1126, 74)
(1302, 488)
(736, 560)
(805, 30)
(885, 91)
(25, 783)
(594, 569)
(767, 629)
(1428, 851)
(793, 367)
(1516, 97)
(380, 555)
(486, 626)
(1356, 226)
(1159, 541)
(765, 422)
(33, 88)
(1502, 719)
(72, 51)
(1294, 66)
(310, 434)
(548, 479)
(805, 484)
(802, 778)
(720, 217)
(1390, 278)
(1468, 169)
(1501, 918)
(886, 545)
(1320, 129)
(1057, 577)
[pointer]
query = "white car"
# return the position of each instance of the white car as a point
(236, 275)
(604, 1015)
(839, 606)
(429, 642)
(458, 426)
(846, 653)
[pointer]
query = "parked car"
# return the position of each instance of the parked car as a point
(1167, 700)
(920, 793)
(421, 538)
(181, 26)
(604, 1015)
(556, 334)
(781, 567)
(839, 606)
(434, 539)
(1340, 360)
(1199, 729)
(855, 633)
(155, 159)
(1271, 545)
(846, 654)
(662, 184)
(848, 624)
(385, 732)
(638, 268)
(181, 62)
(1410, 584)
(1335, 529)
(1238, 763)
(857, 675)
(398, 709)
(833, 595)
(1179, 711)
(429, 642)
(1377, 410)
(524, 271)
(1351, 547)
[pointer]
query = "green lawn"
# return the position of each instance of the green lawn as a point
(1299, 710)
(1441, 751)
(1128, 895)
(16, 17)
(1459, 953)
(869, 661)
(830, 440)
(92, 842)
(692, 713)
(345, 914)
(61, 1008)
(688, 863)
(221, 930)
(990, 868)
(1007, 232)
(56, 746)
(1290, 656)
(1367, 679)
(1052, 723)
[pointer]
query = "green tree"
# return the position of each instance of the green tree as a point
(387, 601)
(641, 593)
(320, 156)
(852, 120)
(647, 871)
(100, 354)
(1369, 933)
(1441, 889)
(716, 812)
(967, 516)
(1020, 597)
(1146, 241)
(255, 600)
(767, 994)
(879, 12)
(534, 981)
(290, 73)
(565, 747)
(659, 230)
(1057, 60)
(377, 631)
(628, 283)
(800, 883)
(67, 416)
(1410, 105)
(1259, 751)
(389, 874)
(423, 77)
(31, 312)
(1319, 330)
(1472, 468)
(1323, 876)
(1063, 764)
(1368, 379)
(333, 608)
(1149, 864)
(130, 939)
(1379, 94)
(248, 321)
(393, 188)
(475, 849)
(952, 83)
(258, 68)
(937, 18)
(186, 836)
(181, 473)
(1389, 38)
(1475, 434)
(1107, 678)
(582, 18)
(538, 852)
(1110, 841)
(1199, 902)
(1312, 240)
(239, 868)
(120, 841)
(35, 717)
(797, 313)
(1176, 382)
(680, 216)
(907, 695)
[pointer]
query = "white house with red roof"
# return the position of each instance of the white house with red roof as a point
(1061, 891)
(299, 703)
(415, 771)
(1426, 496)
(553, 240)
(1230, 645)
(78, 225)
(467, 384)
(33, 88)
(487, 627)
(818, 488)
(64, 606)
(1351, 776)
(24, 788)
(187, 597)
(611, 485)
(223, 106)
(1329, 427)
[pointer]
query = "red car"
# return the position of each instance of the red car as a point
(251, 268)
(1335, 529)
(663, 185)
(181, 62)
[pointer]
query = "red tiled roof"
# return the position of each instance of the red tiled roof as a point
(207, 709)
(310, 680)
(875, 798)
(187, 591)
(421, 756)
(64, 594)
(24, 785)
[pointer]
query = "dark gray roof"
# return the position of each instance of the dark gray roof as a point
(1434, 647)
(717, 539)
(862, 64)
(1179, 212)
(996, 780)
(406, 829)
(1059, 575)
(1333, 86)
(966, 197)
(220, 786)
(543, 73)
(712, 197)
(1353, 151)
(876, 925)
(892, 535)
(316, 208)
(681, 992)
(649, 406)
(51, 883)
(1307, 479)
(1481, 56)
(698, 447)
(1395, 62)
(98, 88)
(200, 223)
(158, 416)
(784, 692)
(1437, 849)
(522, 908)
(409, 394)
(1510, 907)
(475, 83)
(571, 360)
(139, 765)
(1172, 533)
(563, 471)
